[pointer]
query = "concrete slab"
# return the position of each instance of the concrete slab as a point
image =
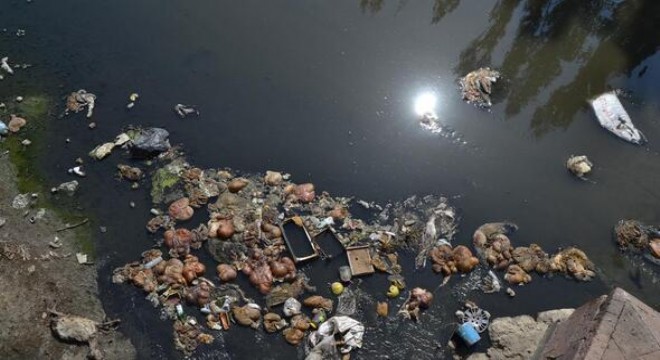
(617, 326)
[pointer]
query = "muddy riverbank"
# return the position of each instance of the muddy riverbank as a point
(38, 261)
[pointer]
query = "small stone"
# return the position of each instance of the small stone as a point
(103, 229)
(154, 212)
(131, 204)
(3, 221)
(67, 140)
(31, 269)
(92, 125)
(26, 142)
(510, 292)
(135, 185)
(79, 161)
(19, 99)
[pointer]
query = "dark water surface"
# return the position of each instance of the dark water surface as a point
(325, 90)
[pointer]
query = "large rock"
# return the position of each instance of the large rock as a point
(515, 338)
(615, 326)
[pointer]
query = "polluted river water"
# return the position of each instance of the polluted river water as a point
(331, 92)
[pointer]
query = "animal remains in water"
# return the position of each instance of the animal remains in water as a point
(476, 86)
(579, 165)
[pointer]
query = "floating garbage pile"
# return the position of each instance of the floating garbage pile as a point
(494, 246)
(632, 235)
(266, 227)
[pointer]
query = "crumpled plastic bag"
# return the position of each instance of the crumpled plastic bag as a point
(324, 350)
(351, 332)
(150, 141)
(347, 303)
(291, 307)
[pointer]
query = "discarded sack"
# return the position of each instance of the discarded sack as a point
(613, 117)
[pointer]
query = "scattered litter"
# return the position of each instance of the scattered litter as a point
(323, 342)
(359, 260)
(26, 142)
(185, 110)
(418, 300)
(4, 64)
(133, 98)
(382, 309)
(345, 273)
(337, 288)
(56, 243)
(613, 116)
(491, 284)
(292, 307)
(82, 258)
(474, 315)
(77, 170)
(347, 303)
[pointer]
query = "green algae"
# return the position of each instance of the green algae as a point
(24, 159)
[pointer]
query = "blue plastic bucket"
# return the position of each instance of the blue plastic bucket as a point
(468, 333)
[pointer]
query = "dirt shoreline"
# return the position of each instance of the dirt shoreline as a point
(35, 275)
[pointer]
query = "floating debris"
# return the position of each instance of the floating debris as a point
(77, 170)
(579, 165)
(79, 100)
(4, 64)
(613, 116)
(476, 86)
(494, 246)
(185, 110)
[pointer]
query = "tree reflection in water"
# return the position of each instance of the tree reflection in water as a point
(569, 49)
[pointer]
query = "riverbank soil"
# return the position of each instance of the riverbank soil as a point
(35, 276)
